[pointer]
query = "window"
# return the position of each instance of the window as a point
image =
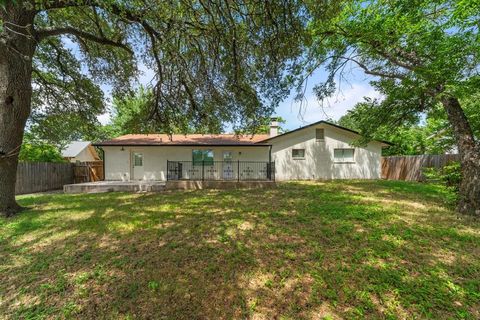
(137, 159)
(320, 134)
(227, 155)
(298, 153)
(343, 155)
(202, 156)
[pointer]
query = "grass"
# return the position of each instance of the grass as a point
(333, 250)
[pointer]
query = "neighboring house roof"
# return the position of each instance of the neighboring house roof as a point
(74, 148)
(186, 140)
(322, 122)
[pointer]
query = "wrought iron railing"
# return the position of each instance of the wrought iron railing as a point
(221, 170)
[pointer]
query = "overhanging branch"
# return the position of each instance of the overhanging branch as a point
(51, 32)
(377, 73)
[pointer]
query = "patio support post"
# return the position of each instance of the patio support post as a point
(272, 166)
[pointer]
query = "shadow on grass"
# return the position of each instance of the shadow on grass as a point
(364, 249)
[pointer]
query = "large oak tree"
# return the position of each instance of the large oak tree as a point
(213, 60)
(421, 53)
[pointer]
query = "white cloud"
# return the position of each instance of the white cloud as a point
(104, 118)
(338, 105)
(312, 110)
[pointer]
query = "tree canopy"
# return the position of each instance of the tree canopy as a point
(37, 150)
(429, 134)
(212, 61)
(415, 50)
(133, 114)
(419, 53)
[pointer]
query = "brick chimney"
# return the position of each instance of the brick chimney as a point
(273, 127)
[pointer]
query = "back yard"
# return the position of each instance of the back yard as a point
(356, 249)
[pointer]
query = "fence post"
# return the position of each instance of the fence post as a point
(89, 177)
(238, 170)
(203, 170)
(168, 170)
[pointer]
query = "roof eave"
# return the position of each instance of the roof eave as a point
(180, 145)
(385, 143)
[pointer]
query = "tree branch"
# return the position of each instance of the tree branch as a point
(130, 16)
(379, 49)
(60, 4)
(365, 69)
(51, 32)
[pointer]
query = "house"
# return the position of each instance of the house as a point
(321, 150)
(80, 151)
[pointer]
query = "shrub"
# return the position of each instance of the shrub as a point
(450, 175)
(37, 150)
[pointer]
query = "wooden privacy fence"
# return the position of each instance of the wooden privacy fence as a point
(88, 171)
(410, 167)
(42, 176)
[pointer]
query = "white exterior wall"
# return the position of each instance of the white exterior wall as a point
(118, 163)
(84, 155)
(319, 162)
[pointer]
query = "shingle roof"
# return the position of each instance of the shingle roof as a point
(74, 148)
(181, 139)
(207, 139)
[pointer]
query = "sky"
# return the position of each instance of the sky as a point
(353, 89)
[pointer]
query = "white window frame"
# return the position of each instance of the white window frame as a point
(298, 158)
(350, 160)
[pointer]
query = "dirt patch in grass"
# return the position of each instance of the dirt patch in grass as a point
(330, 250)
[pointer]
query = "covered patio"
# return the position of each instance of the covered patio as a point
(221, 170)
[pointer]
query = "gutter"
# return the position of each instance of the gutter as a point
(179, 145)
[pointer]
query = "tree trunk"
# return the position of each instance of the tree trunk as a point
(17, 47)
(469, 149)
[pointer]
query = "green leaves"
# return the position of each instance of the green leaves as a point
(427, 134)
(423, 41)
(210, 63)
(414, 50)
(37, 150)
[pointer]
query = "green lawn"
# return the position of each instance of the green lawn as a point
(333, 250)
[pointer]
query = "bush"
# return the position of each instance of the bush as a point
(450, 175)
(37, 150)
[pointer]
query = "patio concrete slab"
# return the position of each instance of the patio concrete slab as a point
(110, 186)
